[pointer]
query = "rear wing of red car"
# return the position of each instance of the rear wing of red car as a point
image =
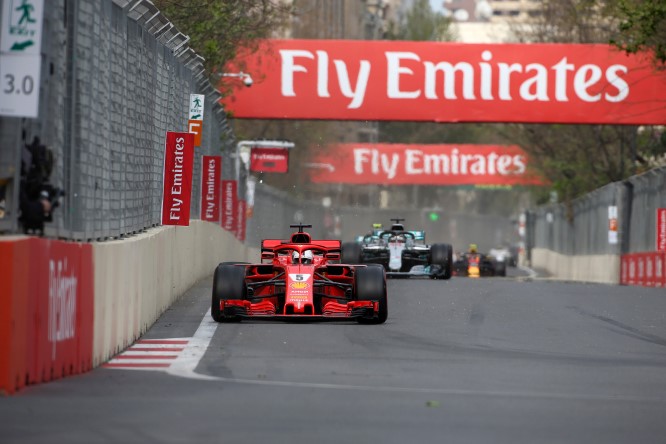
(269, 244)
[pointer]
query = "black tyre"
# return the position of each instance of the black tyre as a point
(351, 253)
(370, 285)
(442, 255)
(228, 283)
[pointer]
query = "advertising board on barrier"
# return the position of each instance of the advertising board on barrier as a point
(229, 205)
(211, 168)
(449, 82)
(242, 218)
(269, 160)
(49, 302)
(399, 164)
(661, 229)
(177, 192)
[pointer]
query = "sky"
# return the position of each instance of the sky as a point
(436, 5)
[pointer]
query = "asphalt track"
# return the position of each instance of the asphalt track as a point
(464, 361)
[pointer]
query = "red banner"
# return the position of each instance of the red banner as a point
(449, 82)
(178, 164)
(229, 205)
(46, 315)
(242, 218)
(661, 229)
(269, 160)
(211, 168)
(398, 164)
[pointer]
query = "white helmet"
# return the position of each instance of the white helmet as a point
(306, 259)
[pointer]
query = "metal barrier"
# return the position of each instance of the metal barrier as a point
(116, 75)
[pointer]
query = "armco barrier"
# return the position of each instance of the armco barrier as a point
(66, 307)
(46, 310)
(646, 269)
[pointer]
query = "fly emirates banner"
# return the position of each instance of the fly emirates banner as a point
(397, 164)
(448, 82)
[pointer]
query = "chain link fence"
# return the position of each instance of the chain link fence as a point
(116, 75)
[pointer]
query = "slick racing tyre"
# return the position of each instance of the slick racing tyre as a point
(442, 255)
(370, 285)
(351, 253)
(228, 283)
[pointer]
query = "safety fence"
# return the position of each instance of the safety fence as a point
(619, 230)
(116, 75)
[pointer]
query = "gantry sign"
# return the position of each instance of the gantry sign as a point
(450, 82)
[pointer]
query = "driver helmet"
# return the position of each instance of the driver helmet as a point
(472, 248)
(305, 259)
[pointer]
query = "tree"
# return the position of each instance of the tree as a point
(579, 158)
(421, 23)
(643, 28)
(219, 29)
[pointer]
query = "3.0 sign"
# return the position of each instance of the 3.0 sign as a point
(19, 85)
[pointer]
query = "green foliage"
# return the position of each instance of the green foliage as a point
(643, 27)
(219, 29)
(421, 24)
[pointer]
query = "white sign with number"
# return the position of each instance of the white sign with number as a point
(21, 26)
(196, 106)
(19, 85)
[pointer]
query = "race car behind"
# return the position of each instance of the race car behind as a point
(403, 253)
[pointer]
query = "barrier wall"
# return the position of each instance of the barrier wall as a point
(66, 307)
(600, 268)
(46, 310)
(138, 279)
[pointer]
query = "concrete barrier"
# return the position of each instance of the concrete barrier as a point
(600, 268)
(137, 279)
(66, 307)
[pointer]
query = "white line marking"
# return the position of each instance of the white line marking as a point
(531, 273)
(196, 348)
(439, 391)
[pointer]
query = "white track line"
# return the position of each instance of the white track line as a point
(195, 349)
(531, 273)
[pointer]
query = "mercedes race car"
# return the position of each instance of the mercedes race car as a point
(299, 279)
(401, 253)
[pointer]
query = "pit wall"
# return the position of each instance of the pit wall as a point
(66, 307)
(599, 268)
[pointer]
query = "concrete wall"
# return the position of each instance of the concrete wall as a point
(601, 268)
(137, 279)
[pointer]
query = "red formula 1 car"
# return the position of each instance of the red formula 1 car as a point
(299, 279)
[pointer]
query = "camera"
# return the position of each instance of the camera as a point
(247, 80)
(52, 195)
